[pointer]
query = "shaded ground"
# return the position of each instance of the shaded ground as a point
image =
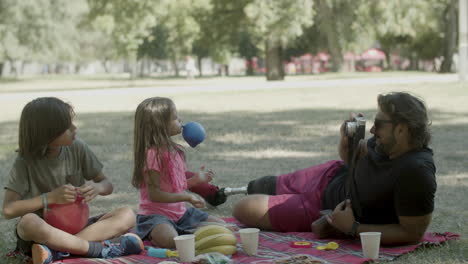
(264, 132)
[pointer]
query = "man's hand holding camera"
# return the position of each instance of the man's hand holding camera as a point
(352, 133)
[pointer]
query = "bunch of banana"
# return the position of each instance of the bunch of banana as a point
(215, 238)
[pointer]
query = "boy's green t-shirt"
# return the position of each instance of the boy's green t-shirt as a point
(75, 164)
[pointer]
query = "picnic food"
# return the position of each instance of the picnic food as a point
(215, 240)
(209, 230)
(298, 259)
(225, 250)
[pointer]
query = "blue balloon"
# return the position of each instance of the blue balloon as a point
(193, 133)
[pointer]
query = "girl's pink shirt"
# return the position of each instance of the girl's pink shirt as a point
(175, 182)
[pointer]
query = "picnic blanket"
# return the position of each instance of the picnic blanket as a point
(276, 245)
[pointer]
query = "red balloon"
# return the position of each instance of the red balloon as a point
(71, 217)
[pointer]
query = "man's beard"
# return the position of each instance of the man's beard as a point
(385, 148)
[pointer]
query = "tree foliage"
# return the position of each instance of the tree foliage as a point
(276, 23)
(56, 31)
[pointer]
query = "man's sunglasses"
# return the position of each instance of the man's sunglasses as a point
(378, 123)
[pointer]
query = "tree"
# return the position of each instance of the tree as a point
(275, 23)
(335, 19)
(39, 30)
(126, 22)
(450, 32)
(396, 24)
(221, 25)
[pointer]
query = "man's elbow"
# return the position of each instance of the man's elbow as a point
(415, 237)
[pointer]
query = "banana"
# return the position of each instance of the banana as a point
(209, 230)
(215, 240)
(225, 250)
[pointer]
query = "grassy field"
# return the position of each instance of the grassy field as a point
(260, 132)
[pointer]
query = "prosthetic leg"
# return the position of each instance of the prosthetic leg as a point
(216, 196)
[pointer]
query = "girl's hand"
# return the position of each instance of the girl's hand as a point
(195, 201)
(205, 176)
(62, 195)
(89, 191)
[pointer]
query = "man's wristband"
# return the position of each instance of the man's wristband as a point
(354, 228)
(44, 201)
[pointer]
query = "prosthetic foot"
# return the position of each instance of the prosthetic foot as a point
(213, 194)
(230, 191)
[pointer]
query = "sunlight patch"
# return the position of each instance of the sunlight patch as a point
(451, 121)
(284, 123)
(272, 153)
(239, 138)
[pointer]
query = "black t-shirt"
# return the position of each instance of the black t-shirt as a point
(386, 189)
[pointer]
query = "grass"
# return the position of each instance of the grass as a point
(265, 132)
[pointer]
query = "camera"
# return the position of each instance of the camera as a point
(355, 131)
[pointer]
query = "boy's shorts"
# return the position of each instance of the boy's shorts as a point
(189, 221)
(25, 246)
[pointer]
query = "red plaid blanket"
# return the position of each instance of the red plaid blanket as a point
(275, 245)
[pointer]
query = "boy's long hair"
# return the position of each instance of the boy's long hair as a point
(151, 130)
(42, 120)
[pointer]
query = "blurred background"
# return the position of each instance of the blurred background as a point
(163, 38)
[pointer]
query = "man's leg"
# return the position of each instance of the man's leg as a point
(263, 185)
(112, 224)
(252, 211)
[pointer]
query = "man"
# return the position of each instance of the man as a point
(389, 188)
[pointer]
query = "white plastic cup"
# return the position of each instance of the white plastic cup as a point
(370, 242)
(249, 239)
(185, 245)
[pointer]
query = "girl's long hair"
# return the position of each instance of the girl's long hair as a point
(42, 120)
(151, 130)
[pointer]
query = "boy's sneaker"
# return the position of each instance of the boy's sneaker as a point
(43, 255)
(127, 244)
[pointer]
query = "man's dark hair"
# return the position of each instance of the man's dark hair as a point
(405, 108)
(42, 120)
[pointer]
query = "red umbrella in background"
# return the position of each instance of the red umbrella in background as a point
(373, 54)
(323, 56)
(306, 56)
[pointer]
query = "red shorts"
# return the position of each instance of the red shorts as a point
(298, 198)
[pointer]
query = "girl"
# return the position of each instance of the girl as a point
(159, 174)
(52, 168)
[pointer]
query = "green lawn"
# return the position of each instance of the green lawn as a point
(267, 132)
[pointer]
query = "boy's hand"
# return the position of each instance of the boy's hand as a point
(195, 201)
(89, 191)
(62, 195)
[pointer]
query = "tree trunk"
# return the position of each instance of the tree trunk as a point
(327, 23)
(106, 67)
(174, 64)
(199, 63)
(250, 69)
(388, 58)
(1, 68)
(14, 68)
(450, 38)
(274, 65)
(414, 62)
